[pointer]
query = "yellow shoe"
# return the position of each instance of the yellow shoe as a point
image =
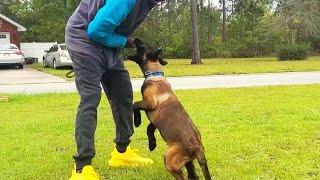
(128, 159)
(87, 173)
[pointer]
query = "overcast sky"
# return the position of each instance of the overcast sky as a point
(216, 2)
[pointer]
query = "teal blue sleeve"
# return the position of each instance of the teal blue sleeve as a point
(108, 18)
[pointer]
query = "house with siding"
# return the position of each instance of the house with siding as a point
(10, 31)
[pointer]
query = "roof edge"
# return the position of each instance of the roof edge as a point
(19, 27)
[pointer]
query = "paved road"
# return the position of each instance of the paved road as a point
(31, 82)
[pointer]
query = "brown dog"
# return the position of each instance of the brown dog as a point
(166, 114)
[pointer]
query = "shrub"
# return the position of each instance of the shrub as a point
(208, 50)
(293, 52)
(252, 47)
(242, 51)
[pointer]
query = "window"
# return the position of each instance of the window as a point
(3, 36)
(55, 48)
(51, 49)
(63, 47)
(8, 46)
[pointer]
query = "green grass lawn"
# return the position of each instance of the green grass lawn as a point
(182, 67)
(248, 133)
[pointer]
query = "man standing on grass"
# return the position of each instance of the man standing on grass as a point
(95, 35)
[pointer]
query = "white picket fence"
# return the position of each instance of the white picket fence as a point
(36, 49)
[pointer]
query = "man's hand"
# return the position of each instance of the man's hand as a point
(138, 43)
(130, 42)
(140, 47)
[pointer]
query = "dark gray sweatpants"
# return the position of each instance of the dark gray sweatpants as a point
(106, 68)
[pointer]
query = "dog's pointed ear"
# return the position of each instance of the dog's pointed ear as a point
(162, 61)
(132, 58)
(156, 54)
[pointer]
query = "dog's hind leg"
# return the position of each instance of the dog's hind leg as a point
(174, 160)
(152, 139)
(192, 175)
(203, 164)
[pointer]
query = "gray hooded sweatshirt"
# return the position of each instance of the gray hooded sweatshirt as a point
(76, 30)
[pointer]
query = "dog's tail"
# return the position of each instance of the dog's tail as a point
(203, 164)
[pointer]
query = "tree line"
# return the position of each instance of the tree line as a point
(234, 28)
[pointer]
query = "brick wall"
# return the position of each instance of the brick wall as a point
(15, 35)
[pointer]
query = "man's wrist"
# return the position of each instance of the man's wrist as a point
(130, 42)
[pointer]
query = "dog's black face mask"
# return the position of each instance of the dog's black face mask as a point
(145, 53)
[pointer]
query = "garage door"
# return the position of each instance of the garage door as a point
(4, 38)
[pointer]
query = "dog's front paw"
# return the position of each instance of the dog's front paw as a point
(137, 117)
(152, 144)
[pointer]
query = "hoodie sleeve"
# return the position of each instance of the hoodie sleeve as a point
(108, 18)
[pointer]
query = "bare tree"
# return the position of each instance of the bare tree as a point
(241, 20)
(196, 58)
(224, 22)
(210, 25)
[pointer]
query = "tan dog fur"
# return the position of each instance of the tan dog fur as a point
(167, 114)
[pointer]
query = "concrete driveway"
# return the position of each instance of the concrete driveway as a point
(29, 81)
(26, 76)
